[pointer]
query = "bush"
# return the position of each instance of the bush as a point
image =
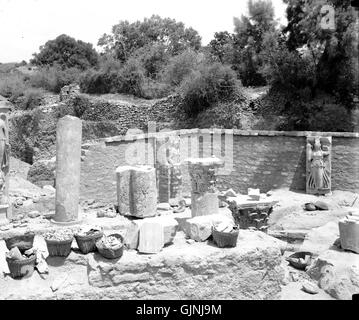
(100, 82)
(80, 104)
(179, 67)
(323, 113)
(31, 98)
(132, 78)
(211, 83)
(12, 86)
(153, 89)
(152, 58)
(54, 78)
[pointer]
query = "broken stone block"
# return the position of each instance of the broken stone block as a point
(144, 192)
(349, 233)
(169, 224)
(200, 228)
(320, 205)
(230, 193)
(310, 287)
(136, 191)
(123, 189)
(204, 193)
(205, 204)
(151, 237)
(164, 206)
(254, 194)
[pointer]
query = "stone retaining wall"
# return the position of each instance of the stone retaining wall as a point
(261, 159)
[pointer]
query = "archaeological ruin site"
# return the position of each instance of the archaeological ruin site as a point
(183, 156)
(186, 214)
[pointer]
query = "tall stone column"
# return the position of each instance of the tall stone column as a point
(68, 165)
(204, 194)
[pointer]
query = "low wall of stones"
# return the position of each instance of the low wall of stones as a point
(256, 159)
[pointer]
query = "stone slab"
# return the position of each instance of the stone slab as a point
(151, 237)
(200, 228)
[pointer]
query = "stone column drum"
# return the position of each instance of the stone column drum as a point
(68, 165)
(136, 191)
(204, 194)
(349, 232)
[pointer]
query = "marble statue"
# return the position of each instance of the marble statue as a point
(318, 165)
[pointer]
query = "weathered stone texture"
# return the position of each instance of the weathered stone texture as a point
(337, 272)
(68, 165)
(137, 193)
(259, 161)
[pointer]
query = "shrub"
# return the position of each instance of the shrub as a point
(31, 98)
(132, 78)
(179, 67)
(153, 89)
(211, 83)
(80, 104)
(54, 78)
(100, 82)
(12, 86)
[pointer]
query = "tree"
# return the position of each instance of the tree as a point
(128, 37)
(248, 40)
(66, 52)
(221, 47)
(333, 51)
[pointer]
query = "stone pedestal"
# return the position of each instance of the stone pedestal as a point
(204, 194)
(68, 165)
(136, 191)
(349, 233)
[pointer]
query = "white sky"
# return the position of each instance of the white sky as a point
(27, 24)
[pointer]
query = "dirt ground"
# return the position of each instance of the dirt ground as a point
(319, 228)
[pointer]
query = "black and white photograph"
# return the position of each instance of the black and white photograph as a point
(179, 155)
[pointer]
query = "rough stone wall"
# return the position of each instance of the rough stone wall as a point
(261, 159)
(98, 177)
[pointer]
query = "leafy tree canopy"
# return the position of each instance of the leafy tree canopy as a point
(66, 52)
(127, 37)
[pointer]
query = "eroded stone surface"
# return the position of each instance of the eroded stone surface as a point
(252, 270)
(200, 228)
(337, 272)
(349, 233)
(68, 165)
(204, 193)
(136, 191)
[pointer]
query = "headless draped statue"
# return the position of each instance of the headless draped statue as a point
(4, 158)
(318, 166)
